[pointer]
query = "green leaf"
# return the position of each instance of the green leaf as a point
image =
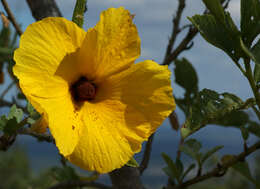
(223, 35)
(171, 170)
(132, 163)
(186, 172)
(10, 123)
(254, 128)
(215, 8)
(191, 148)
(179, 166)
(243, 169)
(3, 122)
(250, 20)
(11, 126)
(186, 76)
(256, 52)
(64, 174)
(209, 107)
(16, 113)
(32, 112)
(247, 50)
(234, 118)
(209, 153)
(185, 132)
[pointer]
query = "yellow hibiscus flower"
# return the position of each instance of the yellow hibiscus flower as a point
(98, 104)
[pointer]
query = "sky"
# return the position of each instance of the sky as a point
(153, 19)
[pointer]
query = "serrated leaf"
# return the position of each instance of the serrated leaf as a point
(209, 107)
(186, 172)
(223, 35)
(234, 118)
(132, 163)
(172, 170)
(250, 20)
(16, 113)
(243, 169)
(215, 8)
(209, 153)
(186, 76)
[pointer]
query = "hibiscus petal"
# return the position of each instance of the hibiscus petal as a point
(128, 108)
(112, 46)
(43, 46)
(102, 147)
(146, 87)
(63, 121)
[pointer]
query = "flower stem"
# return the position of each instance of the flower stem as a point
(79, 10)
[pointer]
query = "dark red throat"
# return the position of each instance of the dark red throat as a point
(83, 90)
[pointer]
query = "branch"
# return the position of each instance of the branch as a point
(40, 137)
(220, 170)
(175, 28)
(79, 183)
(7, 89)
(78, 13)
(185, 44)
(147, 154)
(43, 8)
(5, 103)
(11, 17)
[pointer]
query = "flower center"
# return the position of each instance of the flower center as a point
(83, 90)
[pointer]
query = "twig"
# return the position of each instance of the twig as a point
(147, 154)
(175, 28)
(221, 169)
(185, 44)
(11, 17)
(179, 147)
(7, 89)
(40, 137)
(79, 183)
(9, 104)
